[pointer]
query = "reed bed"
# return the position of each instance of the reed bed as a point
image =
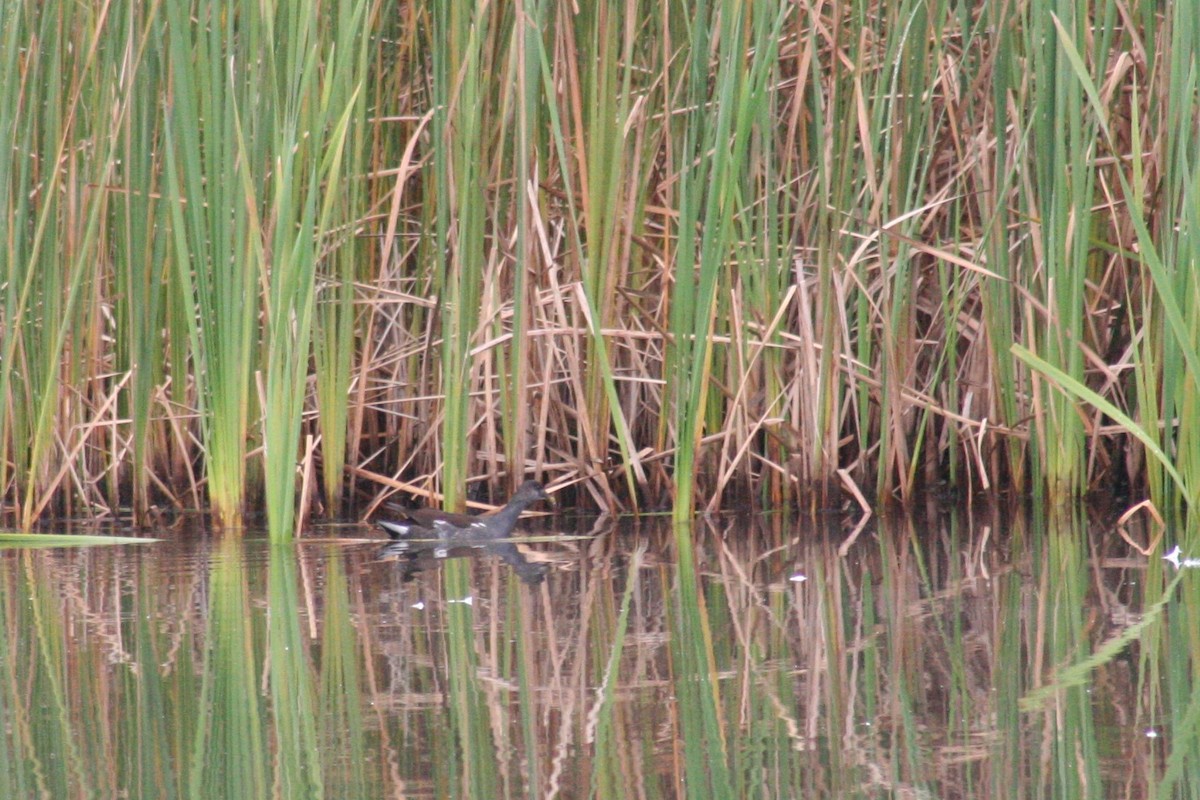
(665, 256)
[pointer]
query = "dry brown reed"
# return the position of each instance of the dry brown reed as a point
(900, 212)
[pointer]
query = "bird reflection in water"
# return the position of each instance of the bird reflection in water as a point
(416, 556)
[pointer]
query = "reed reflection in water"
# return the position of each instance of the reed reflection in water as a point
(951, 656)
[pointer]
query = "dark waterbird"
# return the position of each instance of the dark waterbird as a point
(432, 523)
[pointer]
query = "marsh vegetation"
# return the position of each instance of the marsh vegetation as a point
(665, 255)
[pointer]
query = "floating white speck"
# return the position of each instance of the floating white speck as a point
(419, 605)
(799, 577)
(1151, 733)
(1178, 561)
(468, 600)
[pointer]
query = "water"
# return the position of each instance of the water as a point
(955, 656)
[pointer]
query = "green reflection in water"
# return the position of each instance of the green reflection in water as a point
(293, 694)
(981, 657)
(469, 711)
(341, 726)
(697, 685)
(228, 755)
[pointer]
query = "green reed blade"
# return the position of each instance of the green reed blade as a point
(218, 276)
(308, 161)
(460, 253)
(334, 337)
(1074, 387)
(24, 540)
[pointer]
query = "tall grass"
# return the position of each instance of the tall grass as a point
(334, 336)
(756, 251)
(211, 154)
(309, 155)
(458, 256)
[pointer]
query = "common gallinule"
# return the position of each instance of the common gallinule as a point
(432, 523)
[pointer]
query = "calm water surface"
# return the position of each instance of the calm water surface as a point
(955, 656)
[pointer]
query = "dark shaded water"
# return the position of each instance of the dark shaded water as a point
(957, 656)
